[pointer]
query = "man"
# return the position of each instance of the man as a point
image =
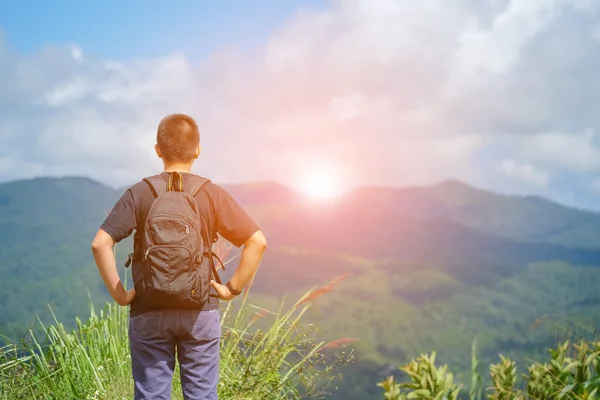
(168, 313)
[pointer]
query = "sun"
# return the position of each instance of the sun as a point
(321, 181)
(319, 187)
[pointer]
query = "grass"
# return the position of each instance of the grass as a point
(264, 355)
(283, 361)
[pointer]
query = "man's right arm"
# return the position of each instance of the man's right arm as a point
(118, 225)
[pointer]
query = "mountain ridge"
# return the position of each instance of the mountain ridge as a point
(520, 217)
(441, 186)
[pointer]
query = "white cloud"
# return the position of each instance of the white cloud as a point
(459, 147)
(4, 163)
(77, 53)
(498, 49)
(377, 86)
(596, 186)
(68, 92)
(525, 173)
(576, 151)
(595, 32)
(347, 107)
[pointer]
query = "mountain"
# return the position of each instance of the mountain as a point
(526, 218)
(427, 268)
(46, 227)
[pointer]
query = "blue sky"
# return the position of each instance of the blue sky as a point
(500, 94)
(138, 28)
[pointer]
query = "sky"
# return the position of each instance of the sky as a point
(503, 95)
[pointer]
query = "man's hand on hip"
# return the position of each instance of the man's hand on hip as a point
(222, 291)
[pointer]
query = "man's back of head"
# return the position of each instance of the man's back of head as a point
(178, 139)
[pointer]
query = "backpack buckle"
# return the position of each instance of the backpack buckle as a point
(129, 260)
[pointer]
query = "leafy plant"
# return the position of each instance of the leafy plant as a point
(572, 373)
(426, 382)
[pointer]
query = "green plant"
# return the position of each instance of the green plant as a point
(504, 378)
(78, 364)
(476, 391)
(572, 373)
(426, 381)
(285, 361)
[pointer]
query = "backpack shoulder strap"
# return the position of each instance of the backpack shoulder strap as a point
(195, 185)
(157, 185)
(211, 254)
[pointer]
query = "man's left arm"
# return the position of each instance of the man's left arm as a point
(118, 225)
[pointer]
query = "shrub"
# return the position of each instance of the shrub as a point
(572, 373)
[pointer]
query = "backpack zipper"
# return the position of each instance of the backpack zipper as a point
(168, 246)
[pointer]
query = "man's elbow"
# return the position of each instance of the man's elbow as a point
(258, 241)
(101, 241)
(96, 246)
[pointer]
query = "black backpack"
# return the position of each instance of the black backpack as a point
(177, 259)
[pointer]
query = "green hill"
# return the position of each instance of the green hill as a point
(526, 218)
(427, 268)
(46, 226)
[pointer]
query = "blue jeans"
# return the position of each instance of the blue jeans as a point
(155, 338)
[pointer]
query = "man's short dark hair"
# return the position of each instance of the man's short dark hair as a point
(178, 138)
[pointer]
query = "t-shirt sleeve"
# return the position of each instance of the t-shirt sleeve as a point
(232, 222)
(121, 220)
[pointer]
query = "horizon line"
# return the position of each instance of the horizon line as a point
(442, 182)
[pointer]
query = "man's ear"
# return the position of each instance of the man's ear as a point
(198, 151)
(157, 149)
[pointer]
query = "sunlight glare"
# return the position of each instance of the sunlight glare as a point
(321, 182)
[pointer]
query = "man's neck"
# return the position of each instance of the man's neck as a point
(179, 168)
